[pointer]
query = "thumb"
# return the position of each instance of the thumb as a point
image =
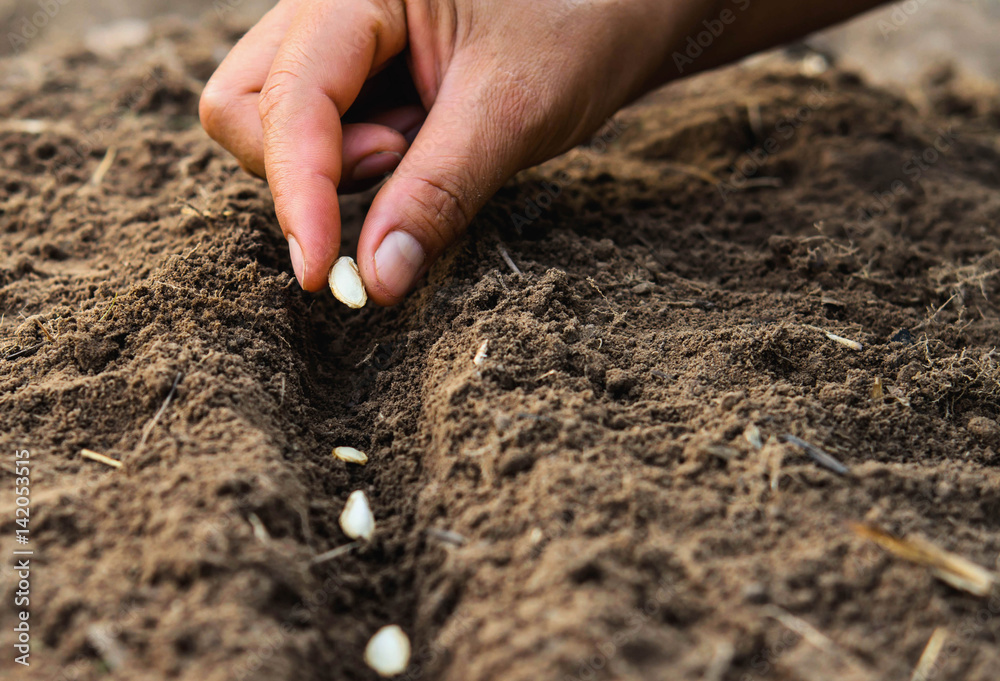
(474, 139)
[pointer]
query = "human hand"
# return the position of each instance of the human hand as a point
(324, 96)
(316, 99)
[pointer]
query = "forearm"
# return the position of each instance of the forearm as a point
(718, 32)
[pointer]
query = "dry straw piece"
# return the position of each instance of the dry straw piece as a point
(356, 520)
(345, 282)
(350, 455)
(388, 651)
(950, 568)
(100, 458)
(925, 665)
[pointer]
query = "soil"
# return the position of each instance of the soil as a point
(588, 502)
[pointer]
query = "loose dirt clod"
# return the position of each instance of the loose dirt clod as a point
(357, 520)
(345, 282)
(388, 651)
(350, 455)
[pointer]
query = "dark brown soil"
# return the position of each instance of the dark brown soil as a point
(617, 521)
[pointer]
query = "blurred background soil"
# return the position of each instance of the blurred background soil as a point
(609, 493)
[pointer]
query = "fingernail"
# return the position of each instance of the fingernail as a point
(298, 263)
(375, 165)
(398, 261)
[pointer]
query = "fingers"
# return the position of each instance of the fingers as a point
(370, 151)
(331, 48)
(228, 105)
(476, 136)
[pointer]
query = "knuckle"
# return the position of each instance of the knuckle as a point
(215, 100)
(286, 76)
(274, 91)
(441, 210)
(522, 107)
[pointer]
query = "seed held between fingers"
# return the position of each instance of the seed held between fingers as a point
(345, 282)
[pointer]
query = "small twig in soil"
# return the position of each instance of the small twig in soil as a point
(44, 330)
(156, 417)
(616, 316)
(807, 631)
(334, 553)
(817, 455)
(368, 357)
(447, 536)
(925, 665)
(499, 277)
(30, 350)
(103, 167)
(100, 458)
(700, 304)
(110, 308)
(191, 252)
(507, 259)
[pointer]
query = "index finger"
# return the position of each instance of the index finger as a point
(330, 50)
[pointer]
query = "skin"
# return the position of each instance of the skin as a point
(453, 97)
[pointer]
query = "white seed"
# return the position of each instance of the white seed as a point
(388, 651)
(350, 455)
(346, 284)
(356, 520)
(482, 353)
(846, 342)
